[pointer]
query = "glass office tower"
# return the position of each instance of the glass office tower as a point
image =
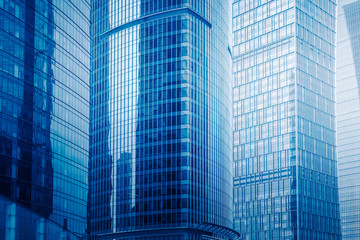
(160, 162)
(285, 184)
(348, 115)
(44, 118)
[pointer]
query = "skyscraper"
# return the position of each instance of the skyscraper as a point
(160, 161)
(44, 118)
(285, 184)
(348, 116)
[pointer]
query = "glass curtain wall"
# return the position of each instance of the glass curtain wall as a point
(160, 120)
(348, 115)
(285, 184)
(44, 118)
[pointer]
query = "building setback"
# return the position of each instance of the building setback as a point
(348, 116)
(160, 161)
(285, 184)
(44, 118)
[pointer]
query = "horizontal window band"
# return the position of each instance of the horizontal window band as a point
(155, 16)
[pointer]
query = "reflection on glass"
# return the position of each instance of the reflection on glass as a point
(285, 184)
(348, 115)
(158, 80)
(43, 119)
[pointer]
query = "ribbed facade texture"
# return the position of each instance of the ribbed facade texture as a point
(285, 184)
(44, 118)
(348, 116)
(160, 162)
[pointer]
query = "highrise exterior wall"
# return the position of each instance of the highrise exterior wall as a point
(348, 116)
(160, 119)
(285, 184)
(318, 200)
(44, 118)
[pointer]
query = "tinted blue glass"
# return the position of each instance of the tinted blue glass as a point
(160, 122)
(348, 116)
(44, 118)
(285, 184)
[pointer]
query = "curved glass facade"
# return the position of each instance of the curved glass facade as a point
(160, 160)
(348, 116)
(44, 118)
